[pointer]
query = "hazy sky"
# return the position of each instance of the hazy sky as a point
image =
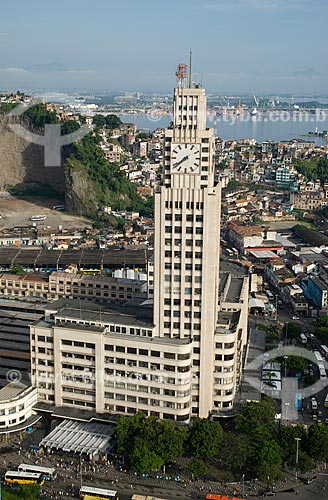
(238, 45)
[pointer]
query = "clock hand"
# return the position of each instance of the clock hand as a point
(181, 161)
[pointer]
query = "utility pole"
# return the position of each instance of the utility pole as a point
(243, 477)
(297, 444)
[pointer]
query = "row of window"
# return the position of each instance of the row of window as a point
(12, 410)
(76, 343)
(177, 313)
(188, 242)
(190, 205)
(146, 401)
(188, 230)
(112, 328)
(147, 389)
(42, 338)
(12, 422)
(146, 352)
(75, 390)
(188, 254)
(189, 217)
(187, 302)
(188, 267)
(186, 326)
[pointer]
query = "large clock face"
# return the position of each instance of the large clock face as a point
(185, 158)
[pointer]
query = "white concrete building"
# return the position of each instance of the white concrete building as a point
(184, 357)
(16, 403)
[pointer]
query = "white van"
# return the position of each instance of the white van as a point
(314, 404)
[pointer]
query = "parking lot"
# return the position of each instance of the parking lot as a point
(17, 212)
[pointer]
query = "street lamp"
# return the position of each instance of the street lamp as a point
(243, 478)
(285, 358)
(297, 444)
(81, 472)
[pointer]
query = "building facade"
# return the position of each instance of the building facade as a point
(56, 285)
(185, 359)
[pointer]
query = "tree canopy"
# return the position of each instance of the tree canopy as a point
(204, 438)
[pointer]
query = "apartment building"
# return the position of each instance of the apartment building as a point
(56, 285)
(110, 362)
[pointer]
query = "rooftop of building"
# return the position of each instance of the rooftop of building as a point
(227, 321)
(244, 230)
(95, 277)
(12, 390)
(234, 290)
(103, 317)
(132, 313)
(312, 237)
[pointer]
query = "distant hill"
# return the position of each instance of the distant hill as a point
(47, 68)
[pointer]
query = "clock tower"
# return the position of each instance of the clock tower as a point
(187, 238)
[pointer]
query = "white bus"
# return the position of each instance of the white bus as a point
(229, 252)
(48, 473)
(269, 295)
(97, 493)
(303, 338)
(36, 218)
(22, 477)
(318, 356)
(235, 251)
(324, 351)
(325, 404)
(322, 371)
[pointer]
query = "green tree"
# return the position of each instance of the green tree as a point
(305, 462)
(197, 467)
(292, 330)
(169, 440)
(317, 442)
(99, 121)
(204, 438)
(113, 121)
(30, 491)
(17, 269)
(143, 135)
(234, 451)
(296, 363)
(287, 441)
(254, 415)
(69, 127)
(321, 328)
(143, 459)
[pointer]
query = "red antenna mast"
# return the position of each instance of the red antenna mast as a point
(181, 75)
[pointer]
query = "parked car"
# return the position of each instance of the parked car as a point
(295, 317)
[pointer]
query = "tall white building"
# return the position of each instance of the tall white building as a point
(187, 236)
(185, 360)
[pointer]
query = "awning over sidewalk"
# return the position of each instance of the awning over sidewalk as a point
(88, 438)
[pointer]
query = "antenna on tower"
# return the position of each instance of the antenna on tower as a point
(190, 70)
(181, 75)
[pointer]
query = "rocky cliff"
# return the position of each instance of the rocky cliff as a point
(22, 163)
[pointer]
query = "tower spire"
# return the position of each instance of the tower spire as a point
(190, 70)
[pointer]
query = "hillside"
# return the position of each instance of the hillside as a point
(93, 183)
(86, 178)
